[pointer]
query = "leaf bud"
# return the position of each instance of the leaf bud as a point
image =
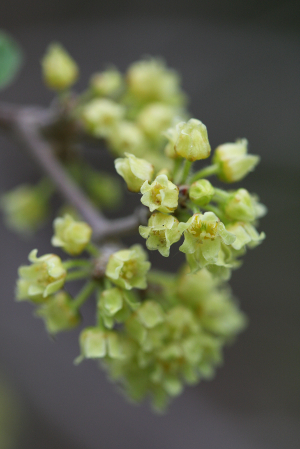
(201, 192)
(127, 268)
(71, 235)
(233, 161)
(60, 71)
(134, 171)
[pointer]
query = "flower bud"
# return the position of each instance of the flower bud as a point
(204, 234)
(44, 277)
(128, 268)
(114, 305)
(201, 192)
(150, 314)
(233, 161)
(127, 137)
(154, 119)
(191, 140)
(105, 190)
(242, 206)
(58, 313)
(107, 83)
(162, 231)
(73, 236)
(59, 70)
(151, 80)
(101, 115)
(24, 208)
(97, 344)
(162, 195)
(134, 171)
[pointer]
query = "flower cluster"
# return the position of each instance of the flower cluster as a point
(154, 332)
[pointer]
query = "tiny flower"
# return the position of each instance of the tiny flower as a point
(162, 231)
(161, 195)
(246, 234)
(127, 137)
(128, 268)
(204, 234)
(71, 235)
(155, 118)
(60, 71)
(115, 304)
(190, 140)
(233, 161)
(106, 83)
(58, 313)
(101, 115)
(97, 344)
(44, 277)
(201, 192)
(242, 206)
(135, 171)
(25, 208)
(151, 80)
(150, 314)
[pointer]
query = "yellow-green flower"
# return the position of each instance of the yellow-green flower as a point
(134, 171)
(201, 192)
(162, 231)
(44, 277)
(155, 118)
(107, 83)
(150, 80)
(25, 208)
(242, 206)
(204, 234)
(161, 195)
(127, 268)
(60, 71)
(71, 235)
(115, 304)
(101, 115)
(233, 161)
(127, 137)
(190, 140)
(97, 344)
(246, 234)
(58, 313)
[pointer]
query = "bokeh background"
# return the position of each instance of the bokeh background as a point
(240, 65)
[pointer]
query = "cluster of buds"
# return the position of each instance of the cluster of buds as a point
(154, 332)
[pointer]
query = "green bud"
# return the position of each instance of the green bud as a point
(25, 208)
(44, 277)
(126, 136)
(134, 171)
(190, 140)
(246, 234)
(161, 195)
(233, 161)
(107, 83)
(154, 119)
(204, 234)
(242, 206)
(114, 305)
(58, 313)
(97, 344)
(73, 236)
(151, 80)
(60, 71)
(201, 192)
(101, 115)
(162, 231)
(127, 268)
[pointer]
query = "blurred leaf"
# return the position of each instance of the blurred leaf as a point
(10, 59)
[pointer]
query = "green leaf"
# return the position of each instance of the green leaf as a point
(10, 59)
